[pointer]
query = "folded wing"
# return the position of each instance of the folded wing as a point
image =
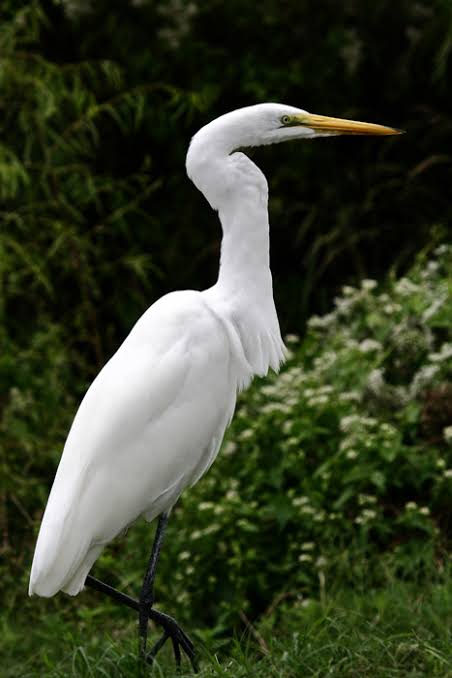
(150, 424)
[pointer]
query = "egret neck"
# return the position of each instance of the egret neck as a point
(243, 294)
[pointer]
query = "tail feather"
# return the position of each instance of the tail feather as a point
(74, 585)
(56, 561)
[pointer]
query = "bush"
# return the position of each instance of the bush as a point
(334, 468)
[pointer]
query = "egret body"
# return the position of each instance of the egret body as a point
(152, 421)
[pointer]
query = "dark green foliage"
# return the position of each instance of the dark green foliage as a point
(340, 209)
(339, 470)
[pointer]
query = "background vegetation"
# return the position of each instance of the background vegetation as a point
(336, 477)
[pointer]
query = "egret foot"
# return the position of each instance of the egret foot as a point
(179, 639)
(144, 607)
(171, 628)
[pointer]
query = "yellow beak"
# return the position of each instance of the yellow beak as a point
(340, 126)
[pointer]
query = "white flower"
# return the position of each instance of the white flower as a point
(448, 473)
(321, 562)
(319, 517)
(388, 430)
(424, 510)
(304, 558)
(206, 506)
(405, 287)
(346, 444)
(229, 448)
(296, 372)
(351, 454)
(441, 249)
(269, 389)
(445, 353)
(325, 389)
(366, 499)
(184, 555)
(300, 501)
(212, 529)
(348, 422)
(292, 338)
(325, 362)
(411, 506)
(287, 426)
(434, 308)
(308, 546)
(269, 408)
(423, 378)
(391, 308)
(368, 284)
(315, 321)
(317, 400)
(447, 433)
(343, 306)
(375, 381)
(369, 345)
(348, 291)
(321, 322)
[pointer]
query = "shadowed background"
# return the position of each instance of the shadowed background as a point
(98, 103)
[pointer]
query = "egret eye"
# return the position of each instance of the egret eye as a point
(285, 119)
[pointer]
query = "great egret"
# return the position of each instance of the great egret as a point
(152, 421)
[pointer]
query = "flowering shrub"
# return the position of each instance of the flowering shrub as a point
(336, 466)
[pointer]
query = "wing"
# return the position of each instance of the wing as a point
(149, 425)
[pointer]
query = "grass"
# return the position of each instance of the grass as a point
(401, 630)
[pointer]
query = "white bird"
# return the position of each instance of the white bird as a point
(153, 420)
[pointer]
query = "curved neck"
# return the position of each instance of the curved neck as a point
(245, 247)
(243, 294)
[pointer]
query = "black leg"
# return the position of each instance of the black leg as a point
(143, 606)
(123, 598)
(147, 589)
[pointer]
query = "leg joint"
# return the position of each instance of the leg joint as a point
(146, 600)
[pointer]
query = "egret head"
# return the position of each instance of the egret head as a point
(264, 124)
(257, 125)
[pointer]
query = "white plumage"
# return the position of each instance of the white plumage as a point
(153, 420)
(136, 440)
